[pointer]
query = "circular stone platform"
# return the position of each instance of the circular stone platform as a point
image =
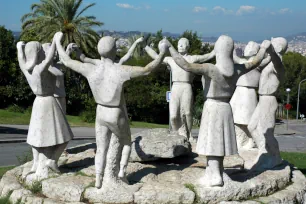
(164, 181)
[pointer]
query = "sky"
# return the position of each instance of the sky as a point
(243, 20)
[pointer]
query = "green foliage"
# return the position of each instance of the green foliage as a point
(191, 187)
(49, 16)
(26, 157)
(295, 66)
(15, 109)
(6, 199)
(13, 85)
(3, 170)
(35, 187)
(297, 159)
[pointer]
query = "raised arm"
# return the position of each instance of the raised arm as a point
(154, 55)
(265, 62)
(74, 47)
(200, 69)
(48, 60)
(23, 64)
(128, 55)
(82, 68)
(259, 56)
(276, 60)
(203, 58)
(142, 71)
(238, 60)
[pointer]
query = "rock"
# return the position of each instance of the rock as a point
(32, 200)
(112, 193)
(66, 188)
(19, 194)
(245, 186)
(164, 192)
(153, 144)
(81, 159)
(137, 172)
(9, 182)
(294, 193)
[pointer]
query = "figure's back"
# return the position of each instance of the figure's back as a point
(41, 83)
(270, 79)
(106, 83)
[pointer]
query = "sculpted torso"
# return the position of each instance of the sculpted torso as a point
(41, 83)
(106, 82)
(250, 79)
(178, 74)
(270, 80)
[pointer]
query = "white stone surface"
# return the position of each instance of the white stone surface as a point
(262, 123)
(48, 129)
(172, 193)
(217, 135)
(153, 144)
(66, 188)
(181, 103)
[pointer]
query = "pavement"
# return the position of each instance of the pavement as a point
(13, 139)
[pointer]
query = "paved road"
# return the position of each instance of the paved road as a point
(17, 134)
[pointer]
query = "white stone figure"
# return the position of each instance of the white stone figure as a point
(49, 130)
(73, 47)
(181, 103)
(244, 99)
(106, 80)
(217, 133)
(262, 123)
(60, 92)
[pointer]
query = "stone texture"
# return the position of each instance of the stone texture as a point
(19, 194)
(66, 188)
(245, 186)
(9, 182)
(153, 144)
(112, 193)
(167, 192)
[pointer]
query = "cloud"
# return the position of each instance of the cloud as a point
(126, 6)
(284, 10)
(147, 7)
(198, 9)
(245, 9)
(218, 9)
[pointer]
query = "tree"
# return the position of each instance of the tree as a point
(50, 16)
(295, 71)
(13, 86)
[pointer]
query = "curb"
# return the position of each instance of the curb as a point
(24, 140)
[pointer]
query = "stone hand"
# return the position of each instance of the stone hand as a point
(20, 44)
(139, 40)
(265, 44)
(58, 36)
(163, 46)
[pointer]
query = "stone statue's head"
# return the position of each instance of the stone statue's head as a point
(33, 50)
(183, 45)
(107, 47)
(251, 49)
(280, 45)
(224, 46)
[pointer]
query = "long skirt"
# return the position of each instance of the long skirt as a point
(48, 125)
(217, 132)
(243, 102)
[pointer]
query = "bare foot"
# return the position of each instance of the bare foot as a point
(99, 178)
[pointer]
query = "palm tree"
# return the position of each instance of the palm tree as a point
(50, 16)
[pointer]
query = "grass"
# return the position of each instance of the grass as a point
(297, 159)
(6, 199)
(7, 117)
(4, 169)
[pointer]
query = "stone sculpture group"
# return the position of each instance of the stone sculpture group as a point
(232, 119)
